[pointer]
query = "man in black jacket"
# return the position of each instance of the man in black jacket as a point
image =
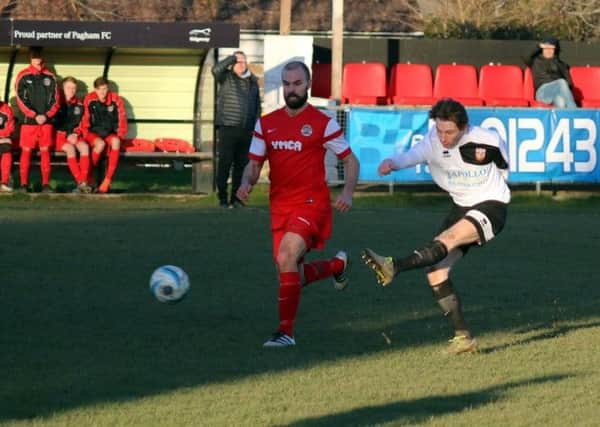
(551, 77)
(238, 108)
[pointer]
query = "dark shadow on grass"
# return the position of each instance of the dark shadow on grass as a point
(420, 410)
(79, 326)
(555, 332)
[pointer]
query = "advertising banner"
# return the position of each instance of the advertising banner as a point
(544, 145)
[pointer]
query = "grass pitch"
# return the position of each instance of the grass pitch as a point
(84, 343)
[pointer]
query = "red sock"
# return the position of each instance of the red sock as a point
(24, 163)
(45, 166)
(289, 299)
(113, 161)
(322, 269)
(74, 168)
(95, 157)
(84, 168)
(5, 166)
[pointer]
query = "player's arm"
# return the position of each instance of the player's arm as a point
(54, 101)
(257, 155)
(122, 118)
(84, 124)
(219, 69)
(415, 155)
(9, 126)
(249, 179)
(23, 100)
(351, 168)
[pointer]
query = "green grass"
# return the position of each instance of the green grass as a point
(84, 343)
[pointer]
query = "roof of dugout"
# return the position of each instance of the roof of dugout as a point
(74, 34)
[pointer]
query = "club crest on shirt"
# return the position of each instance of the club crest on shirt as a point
(306, 130)
(46, 81)
(110, 108)
(77, 110)
(480, 153)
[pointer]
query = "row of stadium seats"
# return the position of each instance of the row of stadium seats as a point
(412, 84)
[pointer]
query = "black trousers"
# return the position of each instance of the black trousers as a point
(232, 156)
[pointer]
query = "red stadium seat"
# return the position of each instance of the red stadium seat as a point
(587, 85)
(173, 145)
(137, 145)
(502, 85)
(529, 91)
(411, 84)
(364, 83)
(457, 81)
(321, 80)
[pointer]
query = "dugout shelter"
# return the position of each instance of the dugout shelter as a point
(157, 68)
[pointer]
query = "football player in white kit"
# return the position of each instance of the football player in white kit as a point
(471, 164)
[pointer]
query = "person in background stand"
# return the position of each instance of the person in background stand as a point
(238, 108)
(551, 77)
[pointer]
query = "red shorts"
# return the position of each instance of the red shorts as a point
(312, 224)
(61, 139)
(33, 136)
(91, 137)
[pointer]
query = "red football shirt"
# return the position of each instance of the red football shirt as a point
(295, 148)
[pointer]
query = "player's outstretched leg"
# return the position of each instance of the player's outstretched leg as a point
(386, 268)
(382, 266)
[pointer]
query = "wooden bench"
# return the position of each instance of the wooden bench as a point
(201, 163)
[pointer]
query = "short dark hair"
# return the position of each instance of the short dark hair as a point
(35, 52)
(294, 65)
(100, 81)
(450, 110)
(69, 79)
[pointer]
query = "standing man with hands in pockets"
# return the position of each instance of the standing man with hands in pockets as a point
(294, 139)
(238, 108)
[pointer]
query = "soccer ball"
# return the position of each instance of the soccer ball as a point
(169, 284)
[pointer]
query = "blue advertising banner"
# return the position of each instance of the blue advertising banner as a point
(544, 145)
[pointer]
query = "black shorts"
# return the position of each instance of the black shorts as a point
(488, 217)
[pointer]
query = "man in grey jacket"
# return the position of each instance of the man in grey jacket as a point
(238, 108)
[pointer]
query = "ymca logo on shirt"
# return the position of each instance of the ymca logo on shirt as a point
(287, 145)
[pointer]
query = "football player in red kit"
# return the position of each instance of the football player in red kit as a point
(294, 139)
(104, 122)
(67, 138)
(38, 99)
(7, 127)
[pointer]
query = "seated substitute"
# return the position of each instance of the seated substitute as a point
(68, 139)
(471, 164)
(7, 127)
(104, 124)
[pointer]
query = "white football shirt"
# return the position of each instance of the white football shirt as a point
(469, 179)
